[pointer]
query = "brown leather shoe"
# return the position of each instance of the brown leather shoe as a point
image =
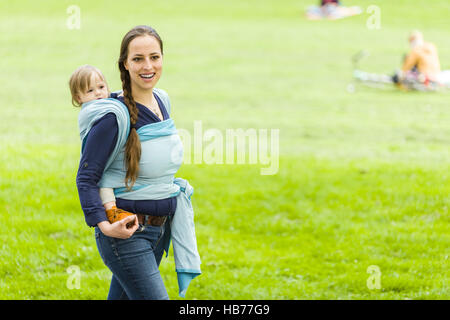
(115, 214)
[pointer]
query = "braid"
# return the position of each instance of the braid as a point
(128, 97)
(133, 145)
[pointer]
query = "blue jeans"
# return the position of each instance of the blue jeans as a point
(134, 263)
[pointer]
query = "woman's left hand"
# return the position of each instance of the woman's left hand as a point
(119, 229)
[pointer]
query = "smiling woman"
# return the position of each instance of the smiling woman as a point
(138, 50)
(144, 139)
(144, 65)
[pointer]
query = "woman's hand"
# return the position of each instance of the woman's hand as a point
(119, 229)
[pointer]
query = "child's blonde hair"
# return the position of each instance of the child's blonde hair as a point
(81, 80)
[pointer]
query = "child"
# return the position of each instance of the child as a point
(87, 83)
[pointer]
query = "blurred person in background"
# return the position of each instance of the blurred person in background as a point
(331, 9)
(422, 61)
(421, 68)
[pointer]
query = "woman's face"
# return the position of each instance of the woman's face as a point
(144, 62)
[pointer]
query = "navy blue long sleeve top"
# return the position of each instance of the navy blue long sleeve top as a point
(100, 143)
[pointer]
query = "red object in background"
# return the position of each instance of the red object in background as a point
(324, 2)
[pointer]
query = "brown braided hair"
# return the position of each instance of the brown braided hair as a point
(133, 145)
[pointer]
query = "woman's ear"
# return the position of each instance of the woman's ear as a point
(125, 64)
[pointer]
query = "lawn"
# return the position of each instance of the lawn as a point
(362, 180)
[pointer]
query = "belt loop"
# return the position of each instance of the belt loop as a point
(145, 219)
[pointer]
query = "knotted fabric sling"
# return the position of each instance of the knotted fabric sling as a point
(162, 154)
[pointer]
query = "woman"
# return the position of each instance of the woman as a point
(141, 169)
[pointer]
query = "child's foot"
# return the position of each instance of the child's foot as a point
(115, 214)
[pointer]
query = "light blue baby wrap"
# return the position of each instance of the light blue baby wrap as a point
(161, 157)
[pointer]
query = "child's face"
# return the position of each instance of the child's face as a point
(96, 90)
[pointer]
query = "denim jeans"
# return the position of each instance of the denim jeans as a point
(134, 263)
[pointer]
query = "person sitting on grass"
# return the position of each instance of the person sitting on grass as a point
(421, 68)
(331, 9)
(422, 61)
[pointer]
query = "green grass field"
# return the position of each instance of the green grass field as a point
(363, 177)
